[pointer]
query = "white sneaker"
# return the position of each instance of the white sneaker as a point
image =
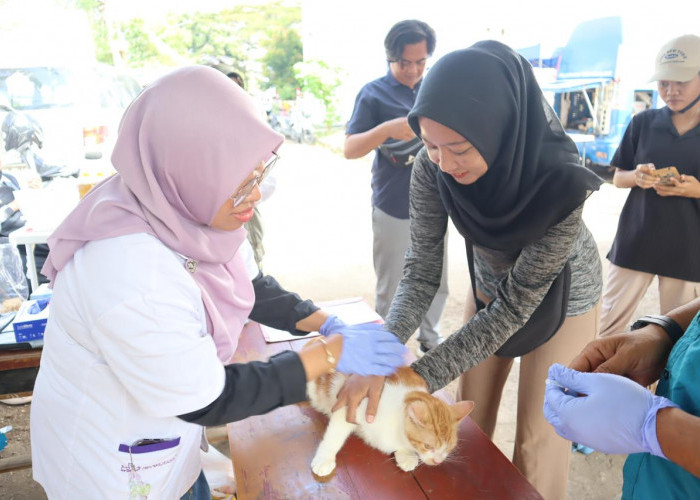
(423, 349)
(23, 400)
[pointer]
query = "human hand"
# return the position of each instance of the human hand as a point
(399, 129)
(333, 324)
(643, 177)
(613, 414)
(34, 182)
(687, 186)
(355, 389)
(369, 349)
(640, 355)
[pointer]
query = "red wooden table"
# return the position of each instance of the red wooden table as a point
(18, 369)
(272, 454)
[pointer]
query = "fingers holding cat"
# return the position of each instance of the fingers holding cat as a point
(355, 389)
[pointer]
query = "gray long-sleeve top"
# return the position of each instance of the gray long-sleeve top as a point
(516, 281)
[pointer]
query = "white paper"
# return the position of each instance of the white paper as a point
(353, 311)
(275, 335)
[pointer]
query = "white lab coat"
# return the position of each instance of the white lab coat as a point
(125, 351)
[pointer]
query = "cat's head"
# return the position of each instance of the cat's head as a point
(431, 425)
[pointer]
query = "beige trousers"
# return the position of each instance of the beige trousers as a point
(540, 454)
(625, 289)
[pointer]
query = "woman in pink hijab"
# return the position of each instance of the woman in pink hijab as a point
(150, 296)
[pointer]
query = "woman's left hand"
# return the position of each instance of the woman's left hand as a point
(687, 186)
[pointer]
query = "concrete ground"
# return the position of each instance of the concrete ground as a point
(318, 241)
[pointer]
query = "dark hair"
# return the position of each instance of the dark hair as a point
(405, 33)
(229, 71)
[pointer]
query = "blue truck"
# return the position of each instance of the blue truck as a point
(601, 82)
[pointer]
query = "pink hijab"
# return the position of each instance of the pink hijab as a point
(185, 144)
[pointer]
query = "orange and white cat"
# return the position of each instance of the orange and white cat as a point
(410, 422)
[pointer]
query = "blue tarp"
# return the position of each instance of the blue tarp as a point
(591, 51)
(530, 53)
(535, 57)
(574, 84)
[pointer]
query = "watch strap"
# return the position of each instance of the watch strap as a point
(672, 329)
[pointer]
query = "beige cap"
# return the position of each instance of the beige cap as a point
(678, 60)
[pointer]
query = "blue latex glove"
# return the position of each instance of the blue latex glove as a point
(370, 350)
(333, 324)
(613, 414)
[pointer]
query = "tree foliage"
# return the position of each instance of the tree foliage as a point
(95, 10)
(261, 40)
(284, 50)
(242, 34)
(321, 80)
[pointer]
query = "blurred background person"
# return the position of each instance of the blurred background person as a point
(379, 123)
(657, 233)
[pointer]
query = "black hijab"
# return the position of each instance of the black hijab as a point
(488, 94)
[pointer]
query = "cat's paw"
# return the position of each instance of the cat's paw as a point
(322, 466)
(406, 460)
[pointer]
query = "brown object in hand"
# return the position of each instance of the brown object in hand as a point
(10, 305)
(665, 175)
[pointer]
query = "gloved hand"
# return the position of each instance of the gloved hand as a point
(333, 324)
(369, 349)
(612, 414)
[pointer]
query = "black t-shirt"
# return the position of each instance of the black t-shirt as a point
(655, 234)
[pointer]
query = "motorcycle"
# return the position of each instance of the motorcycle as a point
(24, 134)
(294, 125)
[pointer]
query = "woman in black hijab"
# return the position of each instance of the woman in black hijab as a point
(498, 163)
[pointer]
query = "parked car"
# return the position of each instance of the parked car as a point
(78, 108)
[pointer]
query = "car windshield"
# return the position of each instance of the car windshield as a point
(50, 87)
(35, 88)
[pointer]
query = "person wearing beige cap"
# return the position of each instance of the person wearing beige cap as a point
(657, 233)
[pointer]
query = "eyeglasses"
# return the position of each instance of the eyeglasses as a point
(245, 190)
(405, 63)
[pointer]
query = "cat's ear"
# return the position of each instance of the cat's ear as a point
(417, 412)
(462, 409)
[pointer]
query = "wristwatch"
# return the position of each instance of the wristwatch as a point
(672, 329)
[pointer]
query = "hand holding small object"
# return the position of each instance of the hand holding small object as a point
(685, 186)
(615, 415)
(640, 355)
(644, 177)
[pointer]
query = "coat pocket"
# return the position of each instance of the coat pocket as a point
(147, 465)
